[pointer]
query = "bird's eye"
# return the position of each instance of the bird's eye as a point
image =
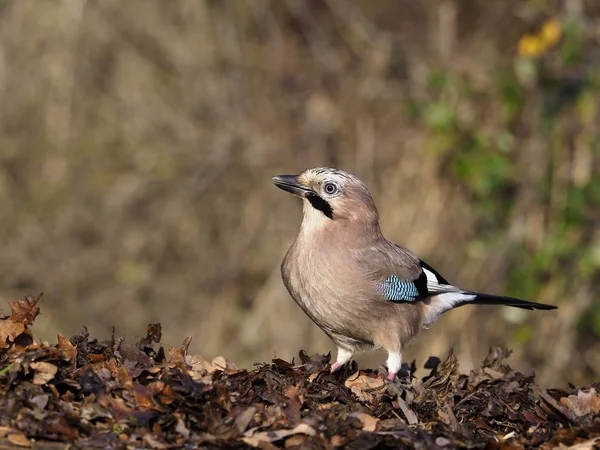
(330, 188)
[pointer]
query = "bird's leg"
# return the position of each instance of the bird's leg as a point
(343, 356)
(394, 362)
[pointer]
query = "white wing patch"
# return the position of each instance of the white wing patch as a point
(443, 297)
(431, 278)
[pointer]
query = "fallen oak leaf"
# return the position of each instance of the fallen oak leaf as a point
(314, 363)
(313, 376)
(14, 328)
(153, 334)
(43, 372)
(243, 419)
(553, 404)
(19, 439)
(445, 376)
(338, 441)
(153, 442)
(583, 403)
(68, 350)
(591, 444)
(198, 368)
(162, 392)
(144, 397)
(256, 439)
(177, 356)
(218, 363)
(368, 422)
(182, 429)
(25, 311)
(41, 401)
(295, 441)
(364, 386)
(410, 415)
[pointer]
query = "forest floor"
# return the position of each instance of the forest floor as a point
(87, 393)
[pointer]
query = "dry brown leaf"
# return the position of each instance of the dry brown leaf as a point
(218, 363)
(96, 357)
(295, 441)
(162, 392)
(364, 386)
(198, 370)
(494, 374)
(256, 439)
(5, 430)
(182, 429)
(324, 406)
(25, 311)
(369, 423)
(176, 359)
(153, 334)
(338, 441)
(43, 372)
(153, 442)
(123, 376)
(583, 403)
(243, 419)
(293, 392)
(200, 366)
(23, 314)
(41, 401)
(410, 415)
(68, 350)
(592, 444)
(9, 331)
(19, 439)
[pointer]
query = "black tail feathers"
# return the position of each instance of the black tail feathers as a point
(488, 299)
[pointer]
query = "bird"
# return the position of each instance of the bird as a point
(361, 289)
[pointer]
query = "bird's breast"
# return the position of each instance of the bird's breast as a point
(328, 289)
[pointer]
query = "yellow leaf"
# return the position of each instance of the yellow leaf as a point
(531, 46)
(551, 32)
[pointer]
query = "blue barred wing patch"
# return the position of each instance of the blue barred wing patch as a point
(397, 290)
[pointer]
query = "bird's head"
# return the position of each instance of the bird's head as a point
(330, 197)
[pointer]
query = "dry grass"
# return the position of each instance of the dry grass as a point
(138, 140)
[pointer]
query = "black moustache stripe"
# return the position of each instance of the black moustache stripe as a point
(320, 204)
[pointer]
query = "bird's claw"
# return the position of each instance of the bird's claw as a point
(335, 367)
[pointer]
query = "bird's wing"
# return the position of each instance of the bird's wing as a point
(402, 277)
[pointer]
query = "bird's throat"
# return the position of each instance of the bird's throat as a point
(314, 220)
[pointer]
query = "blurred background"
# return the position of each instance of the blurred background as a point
(138, 140)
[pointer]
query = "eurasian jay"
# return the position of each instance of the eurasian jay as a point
(362, 290)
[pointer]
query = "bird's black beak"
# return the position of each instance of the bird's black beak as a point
(291, 184)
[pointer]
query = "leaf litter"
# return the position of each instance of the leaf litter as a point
(88, 393)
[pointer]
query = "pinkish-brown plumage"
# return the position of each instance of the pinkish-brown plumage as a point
(338, 267)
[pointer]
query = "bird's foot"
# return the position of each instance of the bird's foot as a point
(344, 355)
(335, 367)
(394, 364)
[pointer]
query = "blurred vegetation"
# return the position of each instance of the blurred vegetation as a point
(138, 140)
